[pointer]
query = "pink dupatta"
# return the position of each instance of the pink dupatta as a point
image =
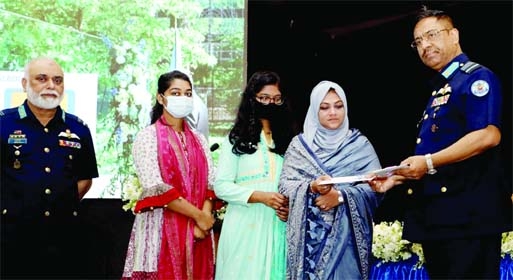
(182, 257)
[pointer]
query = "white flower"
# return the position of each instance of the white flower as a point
(131, 192)
(219, 214)
(507, 244)
(388, 245)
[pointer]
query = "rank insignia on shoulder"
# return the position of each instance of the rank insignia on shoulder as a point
(480, 88)
(470, 67)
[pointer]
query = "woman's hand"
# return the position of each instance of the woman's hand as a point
(316, 187)
(283, 211)
(328, 200)
(205, 220)
(274, 200)
(199, 234)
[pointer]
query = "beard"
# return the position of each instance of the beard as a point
(41, 101)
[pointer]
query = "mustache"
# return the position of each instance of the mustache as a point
(49, 92)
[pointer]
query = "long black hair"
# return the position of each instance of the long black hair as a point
(164, 83)
(245, 133)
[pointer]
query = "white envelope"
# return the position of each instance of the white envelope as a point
(384, 172)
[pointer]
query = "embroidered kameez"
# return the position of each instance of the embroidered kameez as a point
(252, 239)
(162, 245)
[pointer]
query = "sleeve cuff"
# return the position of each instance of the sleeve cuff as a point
(159, 201)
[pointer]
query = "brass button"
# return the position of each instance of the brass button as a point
(47, 169)
(433, 93)
(75, 213)
(70, 156)
(17, 153)
(443, 189)
(410, 191)
(47, 150)
(4, 211)
(48, 191)
(418, 140)
(46, 130)
(426, 116)
(47, 213)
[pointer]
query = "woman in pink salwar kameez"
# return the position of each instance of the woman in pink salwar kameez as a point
(171, 236)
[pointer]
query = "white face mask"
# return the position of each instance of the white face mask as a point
(179, 106)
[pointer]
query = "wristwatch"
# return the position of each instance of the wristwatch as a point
(340, 197)
(429, 162)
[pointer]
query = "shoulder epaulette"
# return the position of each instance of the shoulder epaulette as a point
(9, 111)
(470, 67)
(76, 118)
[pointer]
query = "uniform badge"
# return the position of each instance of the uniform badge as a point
(71, 144)
(68, 134)
(17, 137)
(441, 100)
(480, 88)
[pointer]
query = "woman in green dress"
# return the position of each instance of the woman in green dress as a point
(252, 240)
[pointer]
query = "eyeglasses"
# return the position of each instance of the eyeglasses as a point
(266, 99)
(429, 36)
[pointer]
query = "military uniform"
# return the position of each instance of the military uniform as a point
(469, 198)
(40, 167)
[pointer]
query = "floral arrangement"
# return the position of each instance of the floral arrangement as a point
(131, 192)
(507, 244)
(219, 210)
(388, 245)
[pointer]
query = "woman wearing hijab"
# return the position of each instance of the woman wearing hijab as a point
(171, 233)
(329, 227)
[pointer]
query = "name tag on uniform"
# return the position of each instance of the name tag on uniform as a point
(71, 144)
(17, 140)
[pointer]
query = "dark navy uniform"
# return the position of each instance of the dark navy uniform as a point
(469, 198)
(40, 167)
